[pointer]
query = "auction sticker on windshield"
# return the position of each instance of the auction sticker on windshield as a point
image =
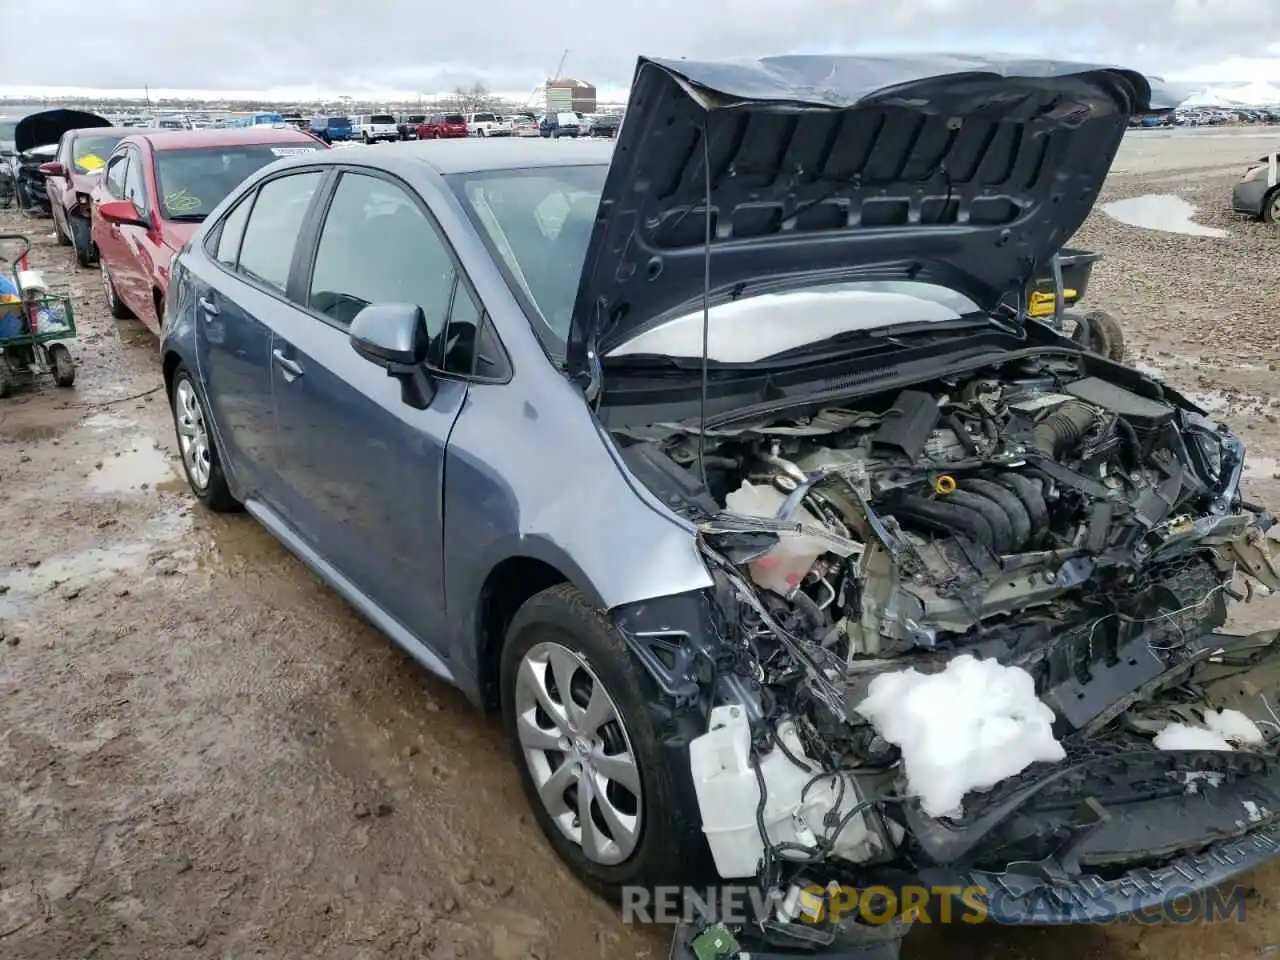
(90, 163)
(291, 151)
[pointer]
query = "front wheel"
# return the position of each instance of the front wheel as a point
(114, 303)
(81, 241)
(200, 460)
(63, 236)
(1271, 206)
(582, 721)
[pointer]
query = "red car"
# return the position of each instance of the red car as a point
(443, 126)
(156, 190)
(69, 180)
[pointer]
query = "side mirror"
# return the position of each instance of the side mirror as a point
(394, 336)
(122, 212)
(53, 169)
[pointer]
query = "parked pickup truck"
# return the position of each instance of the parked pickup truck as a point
(488, 125)
(409, 124)
(372, 127)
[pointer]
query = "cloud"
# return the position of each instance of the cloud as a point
(411, 46)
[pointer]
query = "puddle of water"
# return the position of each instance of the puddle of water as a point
(141, 466)
(1164, 212)
(147, 553)
(105, 420)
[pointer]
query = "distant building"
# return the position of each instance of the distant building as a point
(567, 95)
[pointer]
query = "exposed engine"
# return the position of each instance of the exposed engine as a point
(1085, 532)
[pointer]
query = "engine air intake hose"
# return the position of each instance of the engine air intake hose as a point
(1063, 430)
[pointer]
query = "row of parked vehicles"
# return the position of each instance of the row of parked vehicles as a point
(377, 128)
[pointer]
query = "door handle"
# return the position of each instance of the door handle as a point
(208, 306)
(292, 369)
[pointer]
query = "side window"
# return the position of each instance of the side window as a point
(377, 246)
(266, 250)
(463, 332)
(116, 167)
(135, 183)
(231, 231)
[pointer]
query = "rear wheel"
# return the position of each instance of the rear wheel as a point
(200, 460)
(581, 721)
(114, 303)
(6, 377)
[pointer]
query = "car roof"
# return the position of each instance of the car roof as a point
(502, 153)
(162, 140)
(103, 131)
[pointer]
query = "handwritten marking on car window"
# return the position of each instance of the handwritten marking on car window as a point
(182, 202)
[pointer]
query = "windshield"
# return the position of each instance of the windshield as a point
(537, 225)
(89, 154)
(382, 118)
(190, 183)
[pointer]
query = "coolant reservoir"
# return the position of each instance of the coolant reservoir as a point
(783, 567)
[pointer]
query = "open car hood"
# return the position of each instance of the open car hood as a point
(48, 126)
(969, 172)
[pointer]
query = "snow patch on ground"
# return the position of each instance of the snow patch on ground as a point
(1181, 736)
(1233, 726)
(966, 728)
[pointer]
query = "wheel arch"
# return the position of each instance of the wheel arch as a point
(506, 588)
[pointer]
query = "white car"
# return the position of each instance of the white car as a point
(522, 126)
(372, 127)
(488, 125)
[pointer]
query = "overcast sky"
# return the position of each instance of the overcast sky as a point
(509, 45)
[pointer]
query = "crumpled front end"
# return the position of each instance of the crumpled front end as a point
(970, 638)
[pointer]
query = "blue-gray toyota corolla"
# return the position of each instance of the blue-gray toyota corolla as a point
(726, 463)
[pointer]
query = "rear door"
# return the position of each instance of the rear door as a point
(240, 296)
(362, 471)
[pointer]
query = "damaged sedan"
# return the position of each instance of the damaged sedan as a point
(730, 466)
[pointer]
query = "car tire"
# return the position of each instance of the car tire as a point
(82, 245)
(64, 239)
(201, 462)
(1271, 206)
(6, 377)
(114, 304)
(666, 845)
(64, 368)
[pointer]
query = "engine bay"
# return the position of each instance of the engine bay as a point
(1083, 526)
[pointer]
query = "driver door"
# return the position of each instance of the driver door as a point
(132, 281)
(362, 471)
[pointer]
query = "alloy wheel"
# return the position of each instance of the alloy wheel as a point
(193, 434)
(579, 752)
(107, 289)
(1275, 207)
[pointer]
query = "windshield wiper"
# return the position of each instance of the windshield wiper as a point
(662, 361)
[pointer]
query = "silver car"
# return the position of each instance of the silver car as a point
(686, 455)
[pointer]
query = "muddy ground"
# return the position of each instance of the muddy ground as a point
(205, 753)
